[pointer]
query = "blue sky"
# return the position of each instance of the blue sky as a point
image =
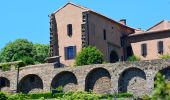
(29, 18)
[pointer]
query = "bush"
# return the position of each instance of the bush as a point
(39, 95)
(5, 67)
(3, 96)
(133, 58)
(19, 96)
(89, 55)
(165, 56)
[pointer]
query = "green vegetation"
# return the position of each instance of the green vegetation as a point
(133, 58)
(89, 55)
(165, 56)
(63, 96)
(7, 66)
(24, 50)
(161, 90)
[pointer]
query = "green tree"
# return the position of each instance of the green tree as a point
(22, 49)
(17, 50)
(89, 55)
(41, 52)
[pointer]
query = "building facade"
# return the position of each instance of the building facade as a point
(74, 27)
(153, 43)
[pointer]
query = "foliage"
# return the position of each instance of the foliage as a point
(19, 96)
(7, 66)
(79, 95)
(89, 55)
(39, 95)
(14, 51)
(59, 89)
(165, 56)
(22, 49)
(3, 96)
(41, 52)
(133, 58)
(162, 88)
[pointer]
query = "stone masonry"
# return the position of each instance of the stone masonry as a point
(134, 77)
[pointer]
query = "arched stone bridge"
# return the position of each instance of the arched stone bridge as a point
(134, 77)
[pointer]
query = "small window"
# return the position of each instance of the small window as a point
(70, 52)
(160, 47)
(69, 30)
(32, 79)
(104, 34)
(144, 49)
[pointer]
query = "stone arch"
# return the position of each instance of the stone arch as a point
(65, 79)
(29, 83)
(113, 57)
(132, 80)
(166, 73)
(98, 80)
(4, 82)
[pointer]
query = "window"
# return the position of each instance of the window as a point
(104, 34)
(160, 47)
(144, 49)
(69, 30)
(70, 52)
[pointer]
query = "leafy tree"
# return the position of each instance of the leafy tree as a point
(41, 52)
(133, 58)
(22, 49)
(17, 50)
(89, 55)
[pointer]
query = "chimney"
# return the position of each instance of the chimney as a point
(123, 21)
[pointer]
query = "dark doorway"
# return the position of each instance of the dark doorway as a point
(113, 57)
(129, 51)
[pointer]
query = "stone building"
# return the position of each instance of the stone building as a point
(74, 27)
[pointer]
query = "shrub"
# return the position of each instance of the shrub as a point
(39, 95)
(3, 96)
(5, 67)
(89, 55)
(19, 96)
(133, 58)
(165, 56)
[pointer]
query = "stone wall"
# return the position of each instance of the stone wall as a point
(135, 77)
